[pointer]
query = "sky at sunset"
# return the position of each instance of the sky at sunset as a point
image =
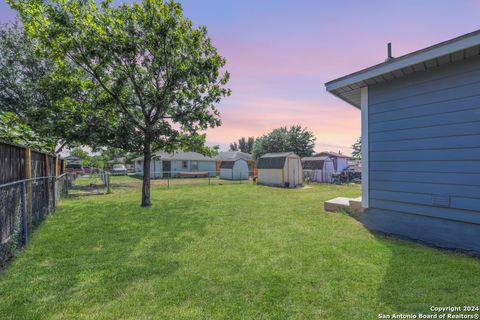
(280, 54)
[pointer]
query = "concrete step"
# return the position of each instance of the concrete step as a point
(351, 205)
(355, 209)
(337, 204)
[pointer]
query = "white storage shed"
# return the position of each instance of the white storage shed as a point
(280, 169)
(234, 169)
(318, 169)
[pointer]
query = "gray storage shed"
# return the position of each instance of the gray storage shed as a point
(318, 169)
(421, 142)
(280, 169)
(235, 169)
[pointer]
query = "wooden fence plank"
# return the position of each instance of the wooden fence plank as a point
(28, 175)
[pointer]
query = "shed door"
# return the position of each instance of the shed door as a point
(292, 172)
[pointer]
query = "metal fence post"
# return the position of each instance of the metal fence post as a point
(67, 179)
(54, 181)
(107, 176)
(24, 213)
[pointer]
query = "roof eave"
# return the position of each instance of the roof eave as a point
(356, 105)
(468, 42)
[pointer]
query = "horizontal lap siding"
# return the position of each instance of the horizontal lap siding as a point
(425, 142)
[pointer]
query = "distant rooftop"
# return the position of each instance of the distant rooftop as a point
(315, 158)
(179, 155)
(233, 155)
(331, 154)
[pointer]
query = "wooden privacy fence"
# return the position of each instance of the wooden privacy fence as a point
(19, 162)
(31, 183)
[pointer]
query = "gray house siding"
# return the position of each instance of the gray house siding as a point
(177, 166)
(210, 166)
(424, 156)
(156, 167)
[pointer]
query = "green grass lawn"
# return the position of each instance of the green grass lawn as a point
(236, 251)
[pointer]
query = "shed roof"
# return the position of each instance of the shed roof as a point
(460, 48)
(312, 163)
(277, 154)
(273, 160)
(271, 163)
(227, 164)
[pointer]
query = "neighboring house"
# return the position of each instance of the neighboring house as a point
(72, 160)
(355, 165)
(74, 164)
(234, 169)
(120, 160)
(280, 170)
(421, 142)
(232, 155)
(318, 169)
(177, 164)
(340, 161)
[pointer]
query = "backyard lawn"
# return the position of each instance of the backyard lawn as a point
(232, 251)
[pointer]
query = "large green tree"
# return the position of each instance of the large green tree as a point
(13, 130)
(47, 101)
(162, 74)
(294, 139)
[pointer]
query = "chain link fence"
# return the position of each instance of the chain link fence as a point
(170, 179)
(96, 182)
(24, 204)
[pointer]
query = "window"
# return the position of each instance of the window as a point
(194, 165)
(184, 164)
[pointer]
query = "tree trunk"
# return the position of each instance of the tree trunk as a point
(147, 158)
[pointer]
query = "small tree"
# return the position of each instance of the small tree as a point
(249, 145)
(295, 139)
(233, 146)
(243, 145)
(357, 149)
(246, 145)
(162, 75)
(80, 153)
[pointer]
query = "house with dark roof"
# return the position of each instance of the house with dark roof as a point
(73, 160)
(421, 142)
(318, 169)
(280, 170)
(178, 164)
